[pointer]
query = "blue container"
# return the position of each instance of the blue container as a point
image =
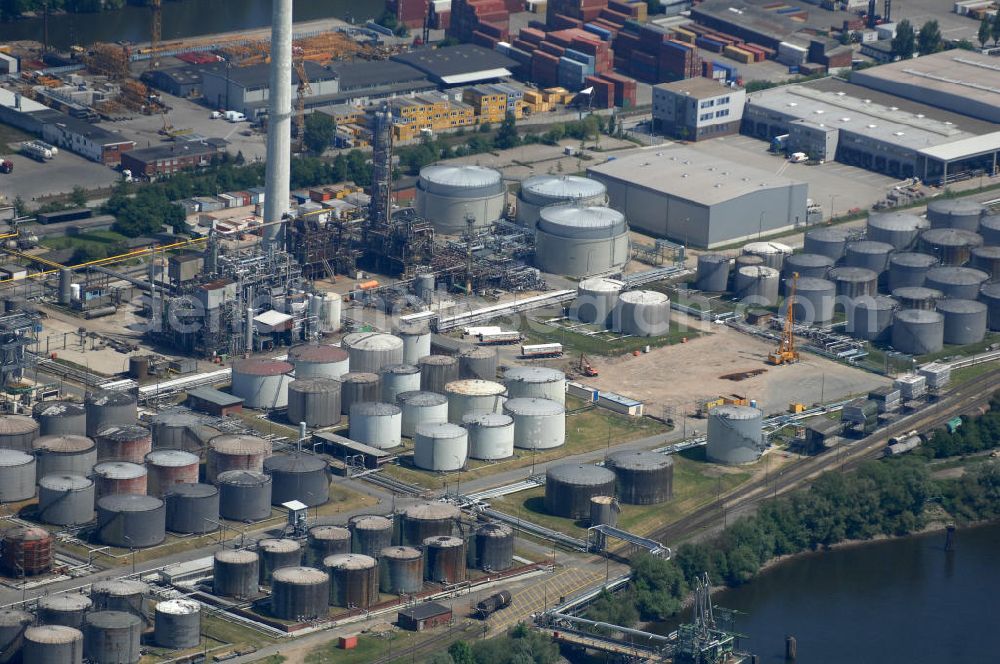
(579, 57)
(603, 33)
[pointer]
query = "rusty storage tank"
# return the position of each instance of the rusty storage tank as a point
(17, 432)
(989, 294)
(436, 371)
(900, 229)
(952, 246)
(61, 418)
(131, 521)
(370, 351)
(262, 383)
(126, 595)
(298, 476)
(440, 447)
(359, 387)
(917, 332)
(276, 553)
(112, 637)
(353, 580)
(52, 644)
(961, 283)
(244, 495)
(300, 593)
(642, 477)
(17, 476)
(177, 624)
(465, 396)
(569, 488)
(376, 424)
(235, 452)
(831, 242)
(235, 573)
(416, 339)
(909, 269)
(66, 499)
(26, 551)
(964, 321)
(713, 273)
(814, 266)
(854, 281)
(169, 467)
(315, 401)
(986, 259)
(370, 534)
(67, 609)
(180, 429)
(318, 361)
(539, 424)
(963, 213)
(491, 435)
(868, 254)
(192, 508)
(445, 559)
(401, 570)
(64, 453)
(420, 408)
(870, 318)
(397, 379)
(324, 541)
(418, 522)
(107, 408)
(479, 363)
(536, 383)
(494, 547)
(120, 477)
(604, 510)
(124, 442)
(917, 297)
(13, 624)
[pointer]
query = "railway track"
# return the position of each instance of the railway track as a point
(418, 650)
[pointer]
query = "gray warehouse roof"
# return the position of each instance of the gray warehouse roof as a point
(454, 65)
(214, 396)
(258, 76)
(375, 73)
(699, 88)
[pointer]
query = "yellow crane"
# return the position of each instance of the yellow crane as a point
(786, 353)
(300, 103)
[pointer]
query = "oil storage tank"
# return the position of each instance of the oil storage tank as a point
(26, 551)
(917, 332)
(734, 434)
(642, 477)
(952, 246)
(298, 476)
(399, 378)
(235, 573)
(131, 521)
(67, 609)
(418, 408)
(909, 269)
(376, 424)
(539, 424)
(757, 284)
(581, 241)
(300, 593)
(175, 429)
(17, 432)
(177, 624)
(854, 281)
(112, 637)
(262, 383)
(535, 382)
(986, 259)
(416, 337)
(713, 273)
(13, 624)
(596, 298)
(961, 213)
(465, 396)
(445, 559)
(109, 408)
(772, 253)
(126, 595)
(359, 387)
(165, 468)
(989, 294)
(318, 361)
(401, 570)
(235, 452)
(244, 495)
(540, 191)
(642, 313)
(276, 553)
(440, 447)
(869, 254)
(490, 435)
(418, 522)
(989, 229)
(830, 242)
(961, 283)
(814, 300)
(370, 534)
(123, 442)
(66, 499)
(870, 318)
(61, 418)
(64, 453)
(192, 508)
(315, 401)
(17, 476)
(964, 321)
(436, 371)
(814, 266)
(449, 195)
(353, 580)
(371, 351)
(917, 297)
(569, 488)
(53, 644)
(900, 229)
(323, 541)
(478, 363)
(494, 547)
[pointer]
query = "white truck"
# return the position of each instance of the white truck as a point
(235, 116)
(541, 350)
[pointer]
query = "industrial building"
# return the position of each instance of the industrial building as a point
(698, 200)
(464, 64)
(246, 89)
(697, 108)
(183, 80)
(170, 158)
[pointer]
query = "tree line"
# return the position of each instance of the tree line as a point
(520, 645)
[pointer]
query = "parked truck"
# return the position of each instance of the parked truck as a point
(6, 166)
(502, 338)
(235, 116)
(35, 151)
(535, 351)
(492, 604)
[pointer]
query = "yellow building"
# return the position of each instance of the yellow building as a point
(490, 104)
(434, 113)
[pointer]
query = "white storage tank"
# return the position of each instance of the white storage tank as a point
(713, 273)
(643, 313)
(962, 213)
(399, 378)
(441, 447)
(581, 241)
(262, 383)
(376, 424)
(421, 408)
(371, 351)
(814, 300)
(448, 195)
(318, 361)
(964, 321)
(539, 424)
(868, 254)
(773, 253)
(734, 434)
(540, 191)
(536, 382)
(491, 435)
(829, 242)
(595, 300)
(757, 284)
(900, 229)
(465, 396)
(416, 340)
(17, 476)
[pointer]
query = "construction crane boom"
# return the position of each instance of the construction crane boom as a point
(300, 103)
(786, 353)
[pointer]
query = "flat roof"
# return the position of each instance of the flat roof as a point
(171, 150)
(699, 88)
(685, 173)
(89, 131)
(967, 147)
(259, 76)
(425, 610)
(374, 73)
(464, 63)
(214, 396)
(348, 444)
(753, 16)
(7, 98)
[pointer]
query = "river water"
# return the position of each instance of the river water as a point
(183, 18)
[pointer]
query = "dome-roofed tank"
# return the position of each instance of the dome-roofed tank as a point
(446, 559)
(67, 609)
(262, 383)
(423, 520)
(569, 488)
(757, 284)
(952, 246)
(961, 283)
(131, 521)
(539, 424)
(448, 195)
(107, 408)
(986, 259)
(436, 371)
(918, 332)
(64, 453)
(315, 401)
(814, 266)
(814, 300)
(370, 534)
(581, 241)
(465, 396)
(192, 508)
(854, 281)
(112, 637)
(535, 383)
(416, 335)
(870, 318)
(421, 408)
(359, 387)
(964, 321)
(276, 553)
(235, 452)
(300, 593)
(126, 595)
(52, 644)
(370, 352)
(713, 273)
(323, 541)
(989, 229)
(66, 499)
(908, 269)
(401, 570)
(353, 580)
(479, 363)
(17, 476)
(491, 435)
(917, 297)
(830, 242)
(900, 229)
(376, 424)
(642, 477)
(963, 213)
(169, 467)
(298, 476)
(773, 253)
(869, 254)
(17, 432)
(26, 551)
(542, 190)
(440, 447)
(124, 442)
(235, 573)
(734, 434)
(399, 378)
(13, 623)
(494, 547)
(318, 361)
(180, 429)
(642, 313)
(244, 495)
(177, 624)
(61, 418)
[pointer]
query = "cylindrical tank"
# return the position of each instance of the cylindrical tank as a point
(127, 595)
(67, 609)
(989, 294)
(421, 408)
(181, 430)
(418, 522)
(17, 432)
(235, 452)
(138, 367)
(540, 191)
(401, 570)
(772, 253)
(353, 580)
(581, 241)
(535, 383)
(300, 593)
(448, 196)
(52, 644)
(131, 521)
(370, 534)
(169, 467)
(65, 499)
(494, 547)
(539, 424)
(986, 259)
(964, 321)
(177, 624)
(569, 488)
(952, 246)
(64, 453)
(315, 401)
(963, 213)
(854, 282)
(917, 297)
(61, 418)
(17, 476)
(124, 442)
(960, 283)
(909, 269)
(642, 477)
(814, 300)
(870, 318)
(491, 435)
(399, 378)
(713, 273)
(478, 363)
(436, 371)
(13, 623)
(423, 286)
(318, 361)
(604, 511)
(830, 242)
(276, 553)
(807, 265)
(262, 383)
(112, 637)
(440, 447)
(109, 408)
(324, 541)
(371, 351)
(192, 508)
(235, 573)
(747, 260)
(359, 387)
(416, 338)
(376, 424)
(596, 299)
(900, 229)
(244, 495)
(26, 551)
(734, 434)
(642, 313)
(917, 331)
(465, 396)
(757, 285)
(868, 254)
(298, 476)
(445, 559)
(120, 477)
(989, 228)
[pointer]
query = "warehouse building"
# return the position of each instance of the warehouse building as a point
(245, 89)
(697, 108)
(181, 81)
(170, 158)
(465, 64)
(698, 200)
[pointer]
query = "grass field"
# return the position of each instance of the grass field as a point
(608, 344)
(96, 244)
(370, 648)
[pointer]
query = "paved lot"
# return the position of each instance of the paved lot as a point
(32, 179)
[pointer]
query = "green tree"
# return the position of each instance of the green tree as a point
(441, 658)
(506, 136)
(984, 32)
(78, 198)
(485, 128)
(995, 28)
(461, 653)
(614, 610)
(658, 585)
(320, 131)
(904, 43)
(929, 38)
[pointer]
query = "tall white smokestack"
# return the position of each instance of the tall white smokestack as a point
(279, 124)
